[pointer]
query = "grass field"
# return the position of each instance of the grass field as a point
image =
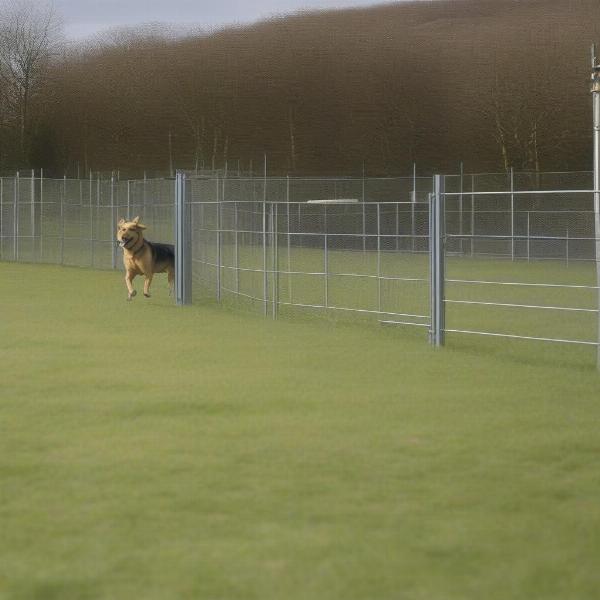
(157, 452)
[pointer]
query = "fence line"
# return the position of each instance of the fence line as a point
(353, 246)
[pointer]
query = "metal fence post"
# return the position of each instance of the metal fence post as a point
(183, 243)
(237, 247)
(265, 274)
(326, 259)
(16, 219)
(460, 207)
(275, 258)
(378, 257)
(219, 257)
(41, 227)
(91, 205)
(412, 208)
(472, 215)
(512, 213)
(528, 239)
(32, 215)
(63, 198)
(289, 242)
(596, 140)
(364, 215)
(113, 218)
(437, 262)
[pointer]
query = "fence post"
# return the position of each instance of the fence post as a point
(437, 262)
(472, 215)
(289, 242)
(265, 274)
(92, 241)
(219, 246)
(364, 216)
(460, 207)
(41, 227)
(275, 258)
(237, 247)
(596, 139)
(528, 239)
(379, 257)
(183, 243)
(413, 231)
(63, 199)
(32, 215)
(16, 219)
(326, 258)
(113, 219)
(512, 213)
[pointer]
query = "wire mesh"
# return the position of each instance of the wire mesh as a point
(520, 247)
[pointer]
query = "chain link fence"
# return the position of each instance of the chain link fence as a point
(519, 250)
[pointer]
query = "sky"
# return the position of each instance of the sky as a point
(84, 18)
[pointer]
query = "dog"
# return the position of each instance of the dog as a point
(142, 257)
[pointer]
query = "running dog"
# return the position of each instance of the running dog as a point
(142, 257)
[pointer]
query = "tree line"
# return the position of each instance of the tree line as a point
(493, 84)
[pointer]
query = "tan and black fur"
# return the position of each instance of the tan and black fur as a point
(142, 257)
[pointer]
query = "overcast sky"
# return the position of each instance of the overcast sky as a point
(83, 18)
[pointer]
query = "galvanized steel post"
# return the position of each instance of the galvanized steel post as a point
(219, 240)
(113, 218)
(16, 219)
(265, 273)
(275, 258)
(183, 243)
(326, 258)
(437, 262)
(413, 232)
(596, 113)
(512, 213)
(379, 257)
(63, 200)
(41, 227)
(32, 215)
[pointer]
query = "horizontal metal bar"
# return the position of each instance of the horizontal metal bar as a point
(226, 289)
(522, 337)
(405, 323)
(317, 234)
(425, 204)
(520, 192)
(520, 237)
(311, 273)
(589, 310)
(524, 284)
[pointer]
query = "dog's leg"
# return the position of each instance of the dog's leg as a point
(147, 283)
(129, 283)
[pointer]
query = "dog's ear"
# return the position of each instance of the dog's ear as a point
(137, 223)
(121, 221)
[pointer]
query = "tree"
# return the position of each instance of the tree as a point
(30, 36)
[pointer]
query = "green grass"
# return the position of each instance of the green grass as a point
(152, 451)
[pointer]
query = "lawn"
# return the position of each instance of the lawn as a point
(153, 451)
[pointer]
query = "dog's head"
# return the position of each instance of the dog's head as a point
(129, 232)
